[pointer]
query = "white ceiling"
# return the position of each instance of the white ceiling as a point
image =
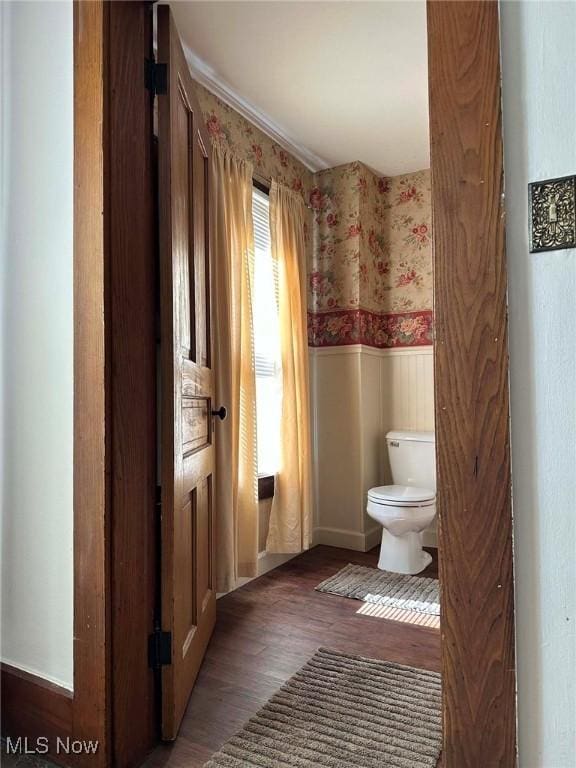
(343, 80)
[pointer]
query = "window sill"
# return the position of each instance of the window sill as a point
(265, 487)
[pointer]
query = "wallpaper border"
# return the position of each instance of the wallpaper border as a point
(343, 327)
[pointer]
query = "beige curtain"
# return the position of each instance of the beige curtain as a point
(291, 517)
(236, 481)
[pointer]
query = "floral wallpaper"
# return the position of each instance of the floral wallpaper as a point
(367, 238)
(334, 278)
(229, 130)
(370, 279)
(407, 224)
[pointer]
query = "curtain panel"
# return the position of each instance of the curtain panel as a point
(291, 517)
(236, 481)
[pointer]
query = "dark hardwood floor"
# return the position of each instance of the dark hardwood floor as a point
(267, 630)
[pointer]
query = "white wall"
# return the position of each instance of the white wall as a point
(37, 325)
(539, 104)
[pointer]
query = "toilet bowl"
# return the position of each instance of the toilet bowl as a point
(404, 512)
(408, 506)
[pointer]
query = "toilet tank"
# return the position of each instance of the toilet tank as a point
(412, 458)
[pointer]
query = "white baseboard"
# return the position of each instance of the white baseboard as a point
(362, 542)
(430, 538)
(267, 561)
(338, 537)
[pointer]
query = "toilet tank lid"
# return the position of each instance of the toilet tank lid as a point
(408, 434)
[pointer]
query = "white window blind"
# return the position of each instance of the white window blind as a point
(266, 341)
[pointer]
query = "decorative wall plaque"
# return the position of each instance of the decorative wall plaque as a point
(552, 214)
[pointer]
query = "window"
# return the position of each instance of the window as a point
(266, 341)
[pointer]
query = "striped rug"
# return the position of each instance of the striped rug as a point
(343, 711)
(394, 590)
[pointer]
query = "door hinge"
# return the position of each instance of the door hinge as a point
(159, 649)
(156, 76)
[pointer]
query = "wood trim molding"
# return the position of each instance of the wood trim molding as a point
(266, 485)
(132, 352)
(91, 455)
(35, 708)
(114, 320)
(471, 386)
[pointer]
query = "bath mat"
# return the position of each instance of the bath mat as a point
(412, 593)
(342, 711)
(378, 611)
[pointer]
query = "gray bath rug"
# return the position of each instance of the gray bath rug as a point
(411, 593)
(342, 711)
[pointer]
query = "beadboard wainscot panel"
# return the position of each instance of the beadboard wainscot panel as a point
(358, 394)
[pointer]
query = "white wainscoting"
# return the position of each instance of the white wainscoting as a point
(407, 388)
(358, 394)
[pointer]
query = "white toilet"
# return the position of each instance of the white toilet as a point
(406, 508)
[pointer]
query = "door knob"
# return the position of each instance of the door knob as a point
(221, 413)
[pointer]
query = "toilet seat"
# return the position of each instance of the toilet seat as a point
(402, 496)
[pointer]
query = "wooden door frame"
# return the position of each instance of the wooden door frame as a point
(91, 441)
(114, 382)
(114, 431)
(115, 305)
(471, 394)
(471, 385)
(31, 706)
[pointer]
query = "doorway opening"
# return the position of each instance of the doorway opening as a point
(365, 225)
(369, 283)
(473, 489)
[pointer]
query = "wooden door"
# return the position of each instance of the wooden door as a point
(187, 452)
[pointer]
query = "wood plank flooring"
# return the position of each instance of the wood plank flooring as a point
(267, 630)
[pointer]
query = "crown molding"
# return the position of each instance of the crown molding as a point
(207, 77)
